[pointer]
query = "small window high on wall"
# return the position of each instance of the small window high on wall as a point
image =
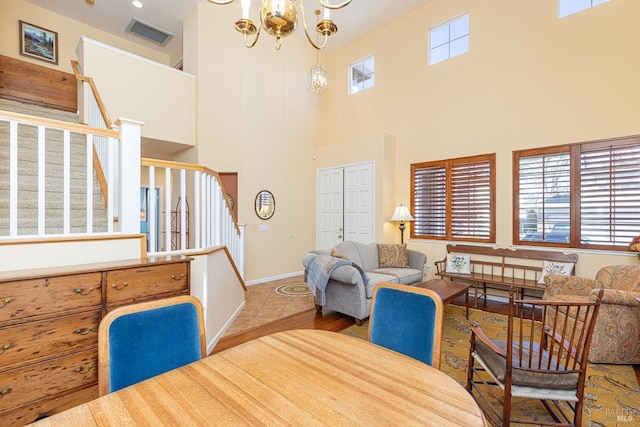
(361, 75)
(449, 39)
(569, 7)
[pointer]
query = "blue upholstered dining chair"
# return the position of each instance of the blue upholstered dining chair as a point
(407, 319)
(139, 341)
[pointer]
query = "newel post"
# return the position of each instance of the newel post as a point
(129, 160)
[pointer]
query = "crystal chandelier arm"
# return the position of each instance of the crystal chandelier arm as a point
(333, 6)
(306, 32)
(220, 1)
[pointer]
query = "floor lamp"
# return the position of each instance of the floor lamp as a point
(401, 214)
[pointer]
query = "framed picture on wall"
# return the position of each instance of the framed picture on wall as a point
(38, 43)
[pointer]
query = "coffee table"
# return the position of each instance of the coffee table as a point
(448, 290)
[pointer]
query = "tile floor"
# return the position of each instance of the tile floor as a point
(264, 305)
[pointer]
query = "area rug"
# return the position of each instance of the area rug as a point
(612, 394)
(294, 290)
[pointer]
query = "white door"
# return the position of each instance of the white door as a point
(330, 200)
(358, 203)
(345, 205)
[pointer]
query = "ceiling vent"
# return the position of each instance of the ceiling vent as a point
(149, 32)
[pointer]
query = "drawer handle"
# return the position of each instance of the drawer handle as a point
(124, 285)
(4, 392)
(79, 291)
(84, 331)
(7, 300)
(173, 276)
(5, 347)
(80, 371)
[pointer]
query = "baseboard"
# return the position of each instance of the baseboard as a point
(272, 278)
(214, 341)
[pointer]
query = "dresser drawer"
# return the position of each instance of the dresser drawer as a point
(52, 405)
(137, 284)
(29, 342)
(23, 299)
(22, 385)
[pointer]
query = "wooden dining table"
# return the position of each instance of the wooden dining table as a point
(298, 377)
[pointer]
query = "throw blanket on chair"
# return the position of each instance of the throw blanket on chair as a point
(319, 271)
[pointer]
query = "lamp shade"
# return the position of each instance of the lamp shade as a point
(401, 214)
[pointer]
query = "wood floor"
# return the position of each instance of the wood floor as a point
(328, 321)
(332, 321)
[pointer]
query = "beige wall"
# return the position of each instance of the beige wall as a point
(69, 33)
(529, 80)
(256, 117)
(165, 104)
(380, 150)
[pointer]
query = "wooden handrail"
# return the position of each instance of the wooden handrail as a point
(96, 94)
(146, 161)
(59, 124)
(102, 180)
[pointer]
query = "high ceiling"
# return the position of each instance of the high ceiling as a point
(113, 16)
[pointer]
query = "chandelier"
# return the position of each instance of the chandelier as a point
(280, 18)
(318, 81)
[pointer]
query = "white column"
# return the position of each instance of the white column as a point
(129, 161)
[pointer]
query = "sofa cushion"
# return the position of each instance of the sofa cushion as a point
(350, 252)
(405, 276)
(375, 278)
(393, 256)
(368, 255)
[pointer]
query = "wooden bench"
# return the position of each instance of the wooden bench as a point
(501, 267)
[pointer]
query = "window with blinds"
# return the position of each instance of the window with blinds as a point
(583, 195)
(454, 199)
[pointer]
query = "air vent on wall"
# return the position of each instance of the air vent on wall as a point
(149, 32)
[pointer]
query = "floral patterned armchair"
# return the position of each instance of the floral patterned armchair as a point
(616, 337)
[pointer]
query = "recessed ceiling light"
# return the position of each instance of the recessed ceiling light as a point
(137, 3)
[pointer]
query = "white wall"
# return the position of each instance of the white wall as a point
(36, 253)
(215, 284)
(165, 103)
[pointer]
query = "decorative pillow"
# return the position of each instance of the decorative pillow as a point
(550, 267)
(458, 264)
(394, 256)
(338, 254)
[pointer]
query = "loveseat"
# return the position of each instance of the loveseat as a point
(349, 287)
(616, 337)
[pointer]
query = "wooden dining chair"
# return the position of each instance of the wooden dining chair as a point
(407, 319)
(545, 361)
(139, 341)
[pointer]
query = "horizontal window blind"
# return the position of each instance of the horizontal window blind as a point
(543, 197)
(453, 199)
(610, 193)
(429, 201)
(471, 200)
(584, 195)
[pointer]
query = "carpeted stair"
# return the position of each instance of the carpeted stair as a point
(28, 180)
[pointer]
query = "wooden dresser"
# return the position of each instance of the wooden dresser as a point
(49, 328)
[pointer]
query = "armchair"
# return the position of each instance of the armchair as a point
(616, 337)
